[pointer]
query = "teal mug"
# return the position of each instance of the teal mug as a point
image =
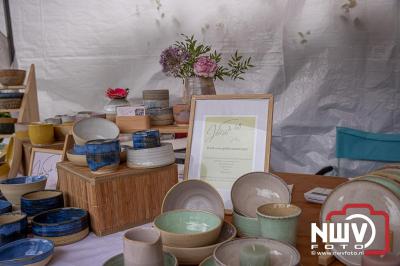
(279, 221)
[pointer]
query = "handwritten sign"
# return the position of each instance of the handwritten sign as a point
(44, 162)
(131, 111)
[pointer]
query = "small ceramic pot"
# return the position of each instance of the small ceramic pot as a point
(33, 203)
(13, 226)
(160, 116)
(21, 131)
(181, 114)
(14, 188)
(5, 206)
(156, 98)
(146, 139)
(246, 226)
(279, 221)
(53, 120)
(103, 156)
(142, 246)
(41, 133)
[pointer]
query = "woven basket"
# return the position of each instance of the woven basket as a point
(12, 77)
(11, 103)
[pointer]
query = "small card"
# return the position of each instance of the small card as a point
(317, 195)
(131, 111)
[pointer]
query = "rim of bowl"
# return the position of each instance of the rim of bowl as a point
(40, 124)
(102, 141)
(184, 182)
(162, 145)
(213, 245)
(298, 211)
(20, 184)
(71, 152)
(6, 201)
(182, 210)
(244, 217)
(23, 216)
(143, 243)
(56, 210)
(27, 258)
(59, 192)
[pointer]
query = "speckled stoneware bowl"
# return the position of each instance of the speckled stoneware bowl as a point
(118, 260)
(14, 188)
(28, 251)
(152, 157)
(5, 206)
(246, 226)
(13, 226)
(33, 203)
(92, 129)
(63, 226)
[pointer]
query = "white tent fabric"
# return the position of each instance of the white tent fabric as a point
(326, 67)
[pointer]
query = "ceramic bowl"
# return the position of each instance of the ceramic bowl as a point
(279, 253)
(151, 158)
(146, 139)
(41, 133)
(188, 228)
(160, 116)
(208, 262)
(76, 159)
(79, 149)
(103, 155)
(393, 185)
(156, 98)
(118, 260)
(94, 128)
(246, 226)
(193, 256)
(255, 189)
(14, 188)
(36, 202)
(28, 251)
(12, 77)
(142, 246)
(62, 226)
(5, 206)
(13, 226)
(194, 195)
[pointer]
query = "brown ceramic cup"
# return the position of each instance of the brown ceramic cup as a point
(143, 247)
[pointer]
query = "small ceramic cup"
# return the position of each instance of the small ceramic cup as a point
(41, 133)
(103, 155)
(279, 221)
(181, 114)
(142, 247)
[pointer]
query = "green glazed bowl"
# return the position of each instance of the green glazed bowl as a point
(386, 182)
(246, 226)
(188, 228)
(118, 260)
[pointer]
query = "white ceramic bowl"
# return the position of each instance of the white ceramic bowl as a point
(94, 128)
(151, 158)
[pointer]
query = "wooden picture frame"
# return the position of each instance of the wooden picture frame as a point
(46, 165)
(242, 108)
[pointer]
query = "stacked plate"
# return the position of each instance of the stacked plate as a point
(152, 157)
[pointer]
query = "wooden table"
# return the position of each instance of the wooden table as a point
(310, 211)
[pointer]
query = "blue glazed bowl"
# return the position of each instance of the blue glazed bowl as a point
(26, 251)
(14, 188)
(23, 180)
(36, 202)
(103, 155)
(13, 226)
(60, 222)
(5, 206)
(79, 149)
(146, 139)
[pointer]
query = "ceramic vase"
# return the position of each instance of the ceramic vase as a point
(198, 86)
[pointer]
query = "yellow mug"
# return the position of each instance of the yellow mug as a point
(41, 133)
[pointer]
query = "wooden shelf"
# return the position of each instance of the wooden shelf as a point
(22, 87)
(172, 129)
(9, 110)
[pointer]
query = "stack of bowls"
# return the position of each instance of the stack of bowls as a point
(33, 203)
(13, 226)
(5, 206)
(161, 116)
(157, 107)
(202, 199)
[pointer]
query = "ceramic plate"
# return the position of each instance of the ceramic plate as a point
(255, 189)
(26, 251)
(118, 260)
(194, 195)
(280, 253)
(365, 192)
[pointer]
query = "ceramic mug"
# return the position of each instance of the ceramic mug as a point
(41, 133)
(279, 221)
(142, 247)
(103, 155)
(181, 114)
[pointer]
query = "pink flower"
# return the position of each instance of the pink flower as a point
(117, 93)
(205, 67)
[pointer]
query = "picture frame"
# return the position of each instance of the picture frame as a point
(44, 162)
(228, 136)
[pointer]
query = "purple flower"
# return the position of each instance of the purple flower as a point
(205, 67)
(172, 59)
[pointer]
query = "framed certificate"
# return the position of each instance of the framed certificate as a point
(229, 135)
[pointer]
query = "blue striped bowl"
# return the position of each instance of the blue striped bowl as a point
(79, 149)
(103, 155)
(13, 226)
(26, 252)
(60, 222)
(5, 206)
(36, 202)
(146, 139)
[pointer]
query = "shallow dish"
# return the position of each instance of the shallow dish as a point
(194, 195)
(193, 256)
(118, 260)
(13, 226)
(94, 128)
(36, 202)
(255, 189)
(5, 206)
(280, 253)
(152, 157)
(367, 192)
(76, 159)
(62, 226)
(14, 188)
(188, 228)
(28, 251)
(246, 226)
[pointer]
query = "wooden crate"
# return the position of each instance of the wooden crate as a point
(116, 201)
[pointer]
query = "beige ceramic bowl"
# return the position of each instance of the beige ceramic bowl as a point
(77, 159)
(94, 128)
(152, 157)
(41, 133)
(142, 246)
(193, 256)
(14, 188)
